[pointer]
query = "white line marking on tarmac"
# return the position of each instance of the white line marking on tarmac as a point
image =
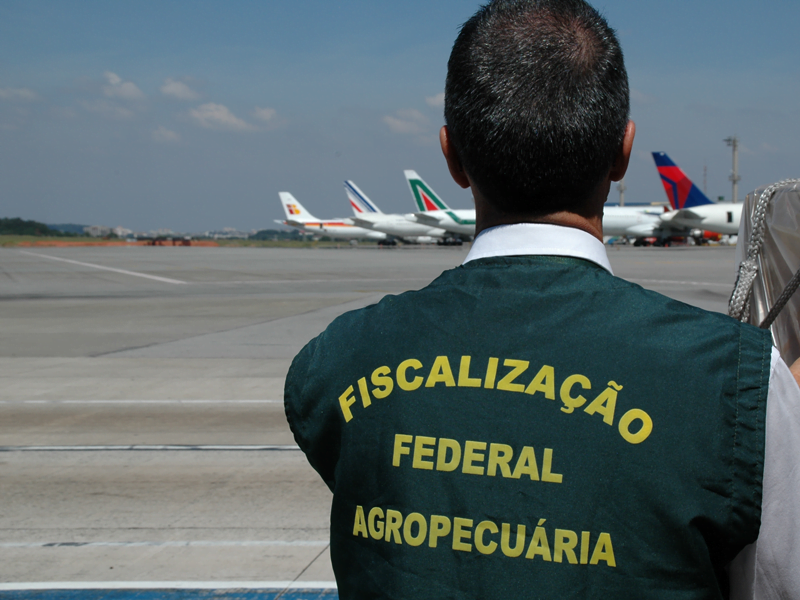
(170, 544)
(668, 282)
(168, 585)
(284, 281)
(141, 401)
(156, 448)
(101, 267)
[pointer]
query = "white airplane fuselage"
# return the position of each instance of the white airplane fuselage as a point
(402, 226)
(722, 217)
(341, 230)
(461, 222)
(617, 220)
(630, 220)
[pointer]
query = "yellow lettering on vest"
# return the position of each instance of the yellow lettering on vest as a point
(603, 550)
(375, 525)
(526, 464)
(499, 456)
(461, 531)
(585, 535)
(482, 528)
(422, 531)
(445, 445)
(423, 446)
(505, 540)
(362, 389)
(491, 373)
(347, 400)
(545, 382)
(605, 403)
(643, 433)
(402, 382)
(539, 544)
(441, 373)
(464, 380)
(471, 456)
(394, 519)
(565, 543)
(570, 402)
(360, 524)
(518, 367)
(440, 527)
(399, 448)
(385, 384)
(547, 468)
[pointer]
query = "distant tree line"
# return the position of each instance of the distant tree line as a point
(276, 234)
(19, 226)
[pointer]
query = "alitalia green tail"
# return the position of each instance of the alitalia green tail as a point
(428, 201)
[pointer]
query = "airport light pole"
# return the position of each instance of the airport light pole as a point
(622, 187)
(734, 178)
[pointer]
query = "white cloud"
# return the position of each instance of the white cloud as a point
(436, 101)
(407, 121)
(117, 88)
(217, 116)
(768, 148)
(107, 109)
(179, 90)
(642, 99)
(64, 112)
(17, 94)
(162, 135)
(265, 114)
(112, 78)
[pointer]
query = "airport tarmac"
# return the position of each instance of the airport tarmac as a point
(142, 435)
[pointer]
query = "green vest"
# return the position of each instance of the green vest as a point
(534, 427)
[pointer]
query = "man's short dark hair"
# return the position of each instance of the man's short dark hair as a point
(536, 102)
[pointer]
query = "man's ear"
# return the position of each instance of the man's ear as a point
(623, 158)
(453, 161)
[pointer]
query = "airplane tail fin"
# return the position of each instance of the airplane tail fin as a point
(681, 192)
(359, 201)
(294, 210)
(424, 197)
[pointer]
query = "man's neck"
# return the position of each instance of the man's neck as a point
(588, 218)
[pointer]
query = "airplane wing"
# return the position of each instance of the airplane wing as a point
(679, 222)
(685, 214)
(643, 229)
(427, 219)
(362, 221)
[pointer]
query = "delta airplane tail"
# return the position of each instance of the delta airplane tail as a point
(682, 193)
(295, 212)
(359, 201)
(425, 198)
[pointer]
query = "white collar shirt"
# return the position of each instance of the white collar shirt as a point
(537, 239)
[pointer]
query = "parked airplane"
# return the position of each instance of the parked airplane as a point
(297, 216)
(432, 211)
(691, 208)
(632, 221)
(369, 216)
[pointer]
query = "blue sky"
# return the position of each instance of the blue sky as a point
(193, 115)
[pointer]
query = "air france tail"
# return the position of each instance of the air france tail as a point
(682, 193)
(424, 196)
(294, 210)
(359, 201)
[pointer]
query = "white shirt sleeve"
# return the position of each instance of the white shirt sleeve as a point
(770, 568)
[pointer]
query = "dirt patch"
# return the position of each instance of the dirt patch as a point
(73, 243)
